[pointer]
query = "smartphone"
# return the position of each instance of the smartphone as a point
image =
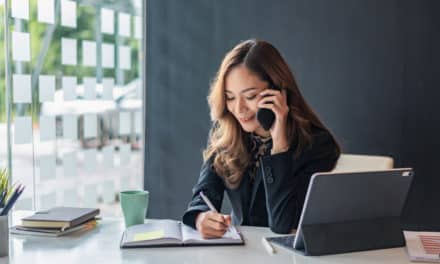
(265, 116)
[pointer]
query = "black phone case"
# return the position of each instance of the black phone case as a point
(266, 117)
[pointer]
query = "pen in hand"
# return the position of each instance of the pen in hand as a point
(210, 205)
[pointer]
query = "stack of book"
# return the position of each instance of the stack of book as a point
(57, 221)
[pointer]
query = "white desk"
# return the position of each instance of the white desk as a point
(101, 245)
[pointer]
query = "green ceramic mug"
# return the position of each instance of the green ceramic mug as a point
(134, 206)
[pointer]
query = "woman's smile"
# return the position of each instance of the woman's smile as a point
(247, 119)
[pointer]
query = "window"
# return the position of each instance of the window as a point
(72, 100)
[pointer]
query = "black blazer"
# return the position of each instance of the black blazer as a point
(275, 198)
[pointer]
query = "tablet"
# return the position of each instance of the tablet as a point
(353, 211)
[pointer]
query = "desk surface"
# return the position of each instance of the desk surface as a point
(101, 245)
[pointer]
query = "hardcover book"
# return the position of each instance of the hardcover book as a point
(60, 217)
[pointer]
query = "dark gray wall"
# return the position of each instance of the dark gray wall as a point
(369, 68)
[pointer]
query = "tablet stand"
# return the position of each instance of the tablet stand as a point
(342, 237)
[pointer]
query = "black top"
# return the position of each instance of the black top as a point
(273, 190)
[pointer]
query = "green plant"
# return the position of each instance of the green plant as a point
(4, 185)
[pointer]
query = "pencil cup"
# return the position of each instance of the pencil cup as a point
(4, 236)
(134, 206)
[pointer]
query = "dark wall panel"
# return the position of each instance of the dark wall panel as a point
(178, 49)
(369, 68)
(421, 123)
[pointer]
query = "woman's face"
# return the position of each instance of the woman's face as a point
(243, 90)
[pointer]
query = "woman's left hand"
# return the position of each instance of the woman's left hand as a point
(276, 101)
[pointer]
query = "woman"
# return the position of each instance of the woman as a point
(265, 173)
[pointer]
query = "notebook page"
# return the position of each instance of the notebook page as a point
(157, 232)
(190, 235)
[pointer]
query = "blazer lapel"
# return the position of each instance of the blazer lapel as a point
(237, 208)
(257, 182)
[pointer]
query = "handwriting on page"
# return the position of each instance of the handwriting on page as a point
(157, 234)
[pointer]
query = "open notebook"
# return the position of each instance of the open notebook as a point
(173, 233)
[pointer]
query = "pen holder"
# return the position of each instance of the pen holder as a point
(4, 236)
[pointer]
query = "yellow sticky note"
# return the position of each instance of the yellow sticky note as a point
(149, 235)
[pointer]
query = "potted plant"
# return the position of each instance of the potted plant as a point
(5, 192)
(5, 188)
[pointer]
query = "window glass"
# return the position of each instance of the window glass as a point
(75, 101)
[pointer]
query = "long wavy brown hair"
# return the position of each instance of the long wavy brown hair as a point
(228, 143)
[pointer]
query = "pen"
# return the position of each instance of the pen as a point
(269, 248)
(211, 207)
(12, 200)
(2, 197)
(208, 202)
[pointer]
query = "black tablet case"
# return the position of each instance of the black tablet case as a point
(378, 225)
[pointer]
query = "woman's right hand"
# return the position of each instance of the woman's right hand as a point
(211, 224)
